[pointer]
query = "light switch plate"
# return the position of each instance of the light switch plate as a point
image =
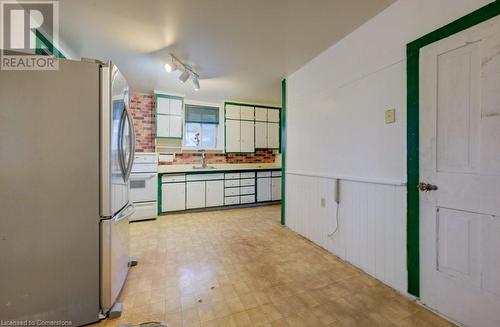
(390, 116)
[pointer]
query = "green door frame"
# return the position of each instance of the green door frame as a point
(283, 148)
(412, 101)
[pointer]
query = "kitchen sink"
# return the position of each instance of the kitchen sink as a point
(201, 167)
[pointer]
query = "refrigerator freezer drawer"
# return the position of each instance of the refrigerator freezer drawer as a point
(145, 210)
(114, 256)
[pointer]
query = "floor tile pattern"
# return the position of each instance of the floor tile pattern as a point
(240, 267)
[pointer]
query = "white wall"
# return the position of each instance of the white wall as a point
(336, 127)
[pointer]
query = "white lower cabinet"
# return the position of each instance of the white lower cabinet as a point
(203, 190)
(263, 189)
(214, 193)
(173, 197)
(276, 188)
(195, 195)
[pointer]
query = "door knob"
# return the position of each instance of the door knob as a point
(424, 187)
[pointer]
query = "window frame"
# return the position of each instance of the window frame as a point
(220, 128)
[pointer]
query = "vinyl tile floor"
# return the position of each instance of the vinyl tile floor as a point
(240, 267)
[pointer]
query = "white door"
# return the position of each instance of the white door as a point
(263, 189)
(273, 135)
(173, 197)
(247, 136)
(215, 193)
(233, 136)
(460, 154)
(260, 135)
(195, 195)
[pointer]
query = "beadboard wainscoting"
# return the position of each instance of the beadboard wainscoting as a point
(372, 221)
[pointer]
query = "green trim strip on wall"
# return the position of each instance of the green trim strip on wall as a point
(283, 148)
(44, 46)
(412, 83)
(249, 105)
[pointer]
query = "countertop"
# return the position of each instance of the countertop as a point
(169, 169)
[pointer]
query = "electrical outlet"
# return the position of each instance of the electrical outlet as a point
(390, 116)
(323, 202)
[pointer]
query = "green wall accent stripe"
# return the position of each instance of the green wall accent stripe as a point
(283, 149)
(412, 83)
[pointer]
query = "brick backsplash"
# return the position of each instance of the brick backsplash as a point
(260, 156)
(143, 114)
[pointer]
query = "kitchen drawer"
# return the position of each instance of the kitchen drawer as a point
(232, 175)
(232, 183)
(232, 191)
(204, 177)
(247, 190)
(248, 175)
(247, 198)
(263, 174)
(231, 200)
(173, 178)
(276, 173)
(146, 210)
(247, 182)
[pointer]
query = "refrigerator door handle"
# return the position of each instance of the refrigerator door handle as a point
(121, 153)
(132, 144)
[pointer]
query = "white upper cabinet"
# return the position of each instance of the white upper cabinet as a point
(175, 126)
(233, 128)
(176, 107)
(273, 115)
(162, 126)
(247, 133)
(246, 113)
(232, 112)
(168, 116)
(273, 135)
(163, 106)
(260, 135)
(257, 128)
(260, 114)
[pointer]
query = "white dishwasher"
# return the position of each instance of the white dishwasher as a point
(144, 186)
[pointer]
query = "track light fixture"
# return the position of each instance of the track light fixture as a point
(196, 84)
(187, 72)
(184, 76)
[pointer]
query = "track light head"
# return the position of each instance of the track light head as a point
(184, 76)
(170, 67)
(196, 84)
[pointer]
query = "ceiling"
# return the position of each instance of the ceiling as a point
(242, 49)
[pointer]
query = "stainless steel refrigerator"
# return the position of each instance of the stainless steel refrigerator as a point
(66, 152)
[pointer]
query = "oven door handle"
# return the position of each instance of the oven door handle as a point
(135, 176)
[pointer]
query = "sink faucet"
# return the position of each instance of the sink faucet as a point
(203, 159)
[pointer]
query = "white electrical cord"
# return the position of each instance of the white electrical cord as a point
(337, 200)
(336, 220)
